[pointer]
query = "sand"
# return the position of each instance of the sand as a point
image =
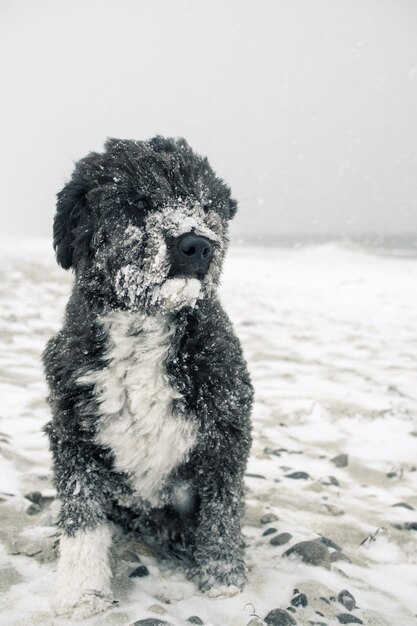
(330, 334)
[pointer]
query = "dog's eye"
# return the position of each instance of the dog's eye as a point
(137, 201)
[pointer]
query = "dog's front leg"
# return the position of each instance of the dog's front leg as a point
(219, 548)
(83, 584)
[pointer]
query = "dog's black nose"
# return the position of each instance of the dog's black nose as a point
(190, 255)
(195, 249)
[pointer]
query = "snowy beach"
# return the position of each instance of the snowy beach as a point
(330, 334)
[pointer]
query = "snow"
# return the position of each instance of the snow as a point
(142, 282)
(330, 336)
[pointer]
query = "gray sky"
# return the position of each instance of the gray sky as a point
(308, 108)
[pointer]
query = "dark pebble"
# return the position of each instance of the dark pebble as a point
(194, 619)
(330, 543)
(268, 518)
(298, 475)
(325, 599)
(405, 526)
(291, 609)
(317, 623)
(256, 476)
(338, 555)
(269, 531)
(129, 557)
(46, 500)
(281, 539)
(404, 505)
(151, 621)
(346, 598)
(330, 480)
(33, 509)
(272, 451)
(311, 552)
(392, 475)
(348, 618)
(290, 451)
(319, 613)
(341, 460)
(279, 617)
(34, 496)
(300, 600)
(139, 572)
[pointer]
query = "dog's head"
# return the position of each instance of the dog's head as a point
(144, 225)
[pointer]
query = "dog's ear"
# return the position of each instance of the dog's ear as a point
(232, 208)
(70, 213)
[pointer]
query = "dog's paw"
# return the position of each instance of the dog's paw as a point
(224, 591)
(81, 605)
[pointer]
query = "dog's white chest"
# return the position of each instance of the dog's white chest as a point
(137, 421)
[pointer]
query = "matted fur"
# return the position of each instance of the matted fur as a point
(149, 389)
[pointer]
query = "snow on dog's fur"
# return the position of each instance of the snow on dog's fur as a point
(148, 386)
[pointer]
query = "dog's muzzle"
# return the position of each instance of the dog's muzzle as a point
(190, 255)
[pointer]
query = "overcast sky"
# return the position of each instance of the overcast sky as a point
(308, 108)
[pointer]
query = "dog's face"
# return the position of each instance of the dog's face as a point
(144, 225)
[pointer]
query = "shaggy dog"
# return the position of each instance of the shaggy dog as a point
(149, 390)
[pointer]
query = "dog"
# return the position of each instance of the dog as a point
(149, 390)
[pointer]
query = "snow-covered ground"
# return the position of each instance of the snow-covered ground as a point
(330, 333)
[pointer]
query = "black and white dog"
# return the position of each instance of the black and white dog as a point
(148, 386)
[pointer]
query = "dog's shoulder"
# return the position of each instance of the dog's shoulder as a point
(208, 340)
(78, 346)
(209, 366)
